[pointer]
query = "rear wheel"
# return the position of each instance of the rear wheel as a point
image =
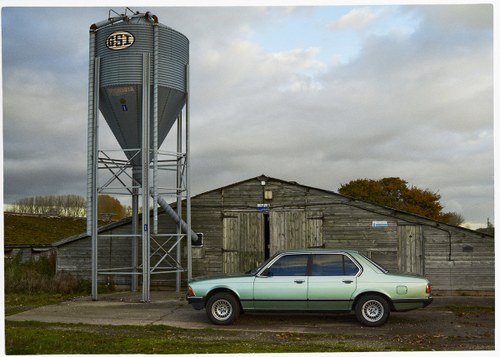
(223, 309)
(372, 310)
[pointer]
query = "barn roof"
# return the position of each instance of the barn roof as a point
(368, 206)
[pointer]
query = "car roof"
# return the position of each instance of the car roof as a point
(318, 250)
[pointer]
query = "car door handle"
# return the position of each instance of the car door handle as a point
(347, 281)
(298, 281)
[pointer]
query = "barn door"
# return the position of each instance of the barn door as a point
(410, 250)
(242, 242)
(295, 230)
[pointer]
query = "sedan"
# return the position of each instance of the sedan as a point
(312, 280)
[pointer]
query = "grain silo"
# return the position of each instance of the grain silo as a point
(139, 81)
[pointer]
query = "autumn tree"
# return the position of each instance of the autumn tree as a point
(110, 209)
(394, 192)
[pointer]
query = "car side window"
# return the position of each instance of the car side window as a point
(289, 265)
(333, 265)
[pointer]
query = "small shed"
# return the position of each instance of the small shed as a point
(246, 222)
(26, 252)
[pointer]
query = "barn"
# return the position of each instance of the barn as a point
(246, 222)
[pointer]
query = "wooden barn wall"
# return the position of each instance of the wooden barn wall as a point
(457, 261)
(113, 252)
(349, 225)
(206, 218)
(453, 259)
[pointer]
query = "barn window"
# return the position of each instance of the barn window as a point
(467, 249)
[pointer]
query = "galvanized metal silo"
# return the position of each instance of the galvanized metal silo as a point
(122, 48)
(139, 81)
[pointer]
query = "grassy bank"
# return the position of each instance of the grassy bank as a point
(25, 229)
(27, 338)
(36, 283)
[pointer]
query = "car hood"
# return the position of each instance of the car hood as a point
(219, 277)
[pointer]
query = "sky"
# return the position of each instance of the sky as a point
(320, 95)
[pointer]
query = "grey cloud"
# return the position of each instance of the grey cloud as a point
(415, 106)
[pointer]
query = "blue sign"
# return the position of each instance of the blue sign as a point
(263, 207)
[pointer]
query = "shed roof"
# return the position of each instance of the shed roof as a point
(364, 205)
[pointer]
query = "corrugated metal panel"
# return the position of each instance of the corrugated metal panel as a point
(122, 74)
(125, 66)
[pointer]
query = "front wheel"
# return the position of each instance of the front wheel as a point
(372, 310)
(223, 309)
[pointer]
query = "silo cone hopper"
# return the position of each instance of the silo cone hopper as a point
(121, 46)
(121, 107)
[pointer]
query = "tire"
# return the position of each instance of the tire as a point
(223, 309)
(372, 310)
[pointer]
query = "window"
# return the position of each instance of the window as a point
(333, 265)
(289, 265)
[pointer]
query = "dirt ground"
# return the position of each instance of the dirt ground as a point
(449, 323)
(434, 328)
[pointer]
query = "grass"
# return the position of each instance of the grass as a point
(471, 310)
(39, 276)
(27, 338)
(19, 302)
(35, 283)
(24, 229)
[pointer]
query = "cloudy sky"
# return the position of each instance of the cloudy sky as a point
(321, 95)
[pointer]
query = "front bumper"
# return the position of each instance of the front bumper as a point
(197, 302)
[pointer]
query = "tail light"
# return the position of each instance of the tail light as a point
(190, 291)
(428, 289)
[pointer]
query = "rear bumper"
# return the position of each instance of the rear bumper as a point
(198, 303)
(411, 304)
(428, 301)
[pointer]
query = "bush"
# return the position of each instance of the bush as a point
(39, 275)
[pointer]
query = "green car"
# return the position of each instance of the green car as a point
(313, 280)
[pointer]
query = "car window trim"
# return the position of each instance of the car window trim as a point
(309, 262)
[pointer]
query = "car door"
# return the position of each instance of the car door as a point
(332, 282)
(283, 285)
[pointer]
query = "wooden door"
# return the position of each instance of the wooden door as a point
(243, 241)
(410, 249)
(295, 229)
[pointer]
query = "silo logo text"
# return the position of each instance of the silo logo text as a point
(119, 40)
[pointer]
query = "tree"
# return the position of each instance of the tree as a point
(64, 205)
(490, 228)
(394, 192)
(110, 209)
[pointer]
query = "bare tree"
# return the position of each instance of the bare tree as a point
(63, 205)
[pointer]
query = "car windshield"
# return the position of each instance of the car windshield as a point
(254, 271)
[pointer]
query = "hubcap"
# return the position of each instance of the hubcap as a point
(373, 310)
(221, 309)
